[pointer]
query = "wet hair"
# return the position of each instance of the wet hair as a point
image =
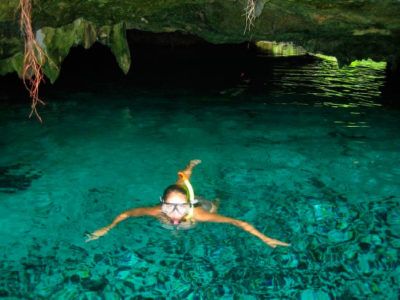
(175, 189)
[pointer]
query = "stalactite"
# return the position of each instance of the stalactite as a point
(34, 57)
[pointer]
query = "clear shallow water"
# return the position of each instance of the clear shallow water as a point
(319, 170)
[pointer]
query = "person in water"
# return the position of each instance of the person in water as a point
(179, 209)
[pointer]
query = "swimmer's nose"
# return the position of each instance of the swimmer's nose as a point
(175, 215)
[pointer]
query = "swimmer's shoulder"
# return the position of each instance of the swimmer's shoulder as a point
(200, 214)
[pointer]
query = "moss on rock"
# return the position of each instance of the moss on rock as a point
(57, 42)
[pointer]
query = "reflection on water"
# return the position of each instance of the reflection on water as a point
(356, 85)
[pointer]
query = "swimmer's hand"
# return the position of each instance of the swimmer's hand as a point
(273, 243)
(97, 234)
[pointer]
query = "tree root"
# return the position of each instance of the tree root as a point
(250, 14)
(34, 57)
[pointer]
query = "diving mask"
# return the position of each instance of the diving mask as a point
(169, 208)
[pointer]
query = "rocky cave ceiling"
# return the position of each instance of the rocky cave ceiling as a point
(348, 30)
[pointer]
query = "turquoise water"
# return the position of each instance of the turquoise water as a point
(309, 157)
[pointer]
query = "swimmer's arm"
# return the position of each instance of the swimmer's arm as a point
(136, 212)
(203, 216)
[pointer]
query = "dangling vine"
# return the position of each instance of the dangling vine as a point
(34, 57)
(250, 14)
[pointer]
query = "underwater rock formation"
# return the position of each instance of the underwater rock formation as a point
(16, 178)
(348, 30)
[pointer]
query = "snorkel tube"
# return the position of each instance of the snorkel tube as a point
(191, 192)
(188, 186)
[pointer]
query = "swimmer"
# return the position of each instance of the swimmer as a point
(181, 210)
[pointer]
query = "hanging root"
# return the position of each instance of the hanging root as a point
(34, 58)
(250, 14)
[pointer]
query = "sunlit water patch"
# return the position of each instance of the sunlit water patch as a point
(322, 177)
(350, 86)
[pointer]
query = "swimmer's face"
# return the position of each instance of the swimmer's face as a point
(175, 206)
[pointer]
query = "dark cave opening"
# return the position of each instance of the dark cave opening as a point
(169, 60)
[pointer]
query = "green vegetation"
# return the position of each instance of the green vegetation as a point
(280, 49)
(58, 41)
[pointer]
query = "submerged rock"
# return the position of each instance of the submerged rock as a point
(94, 284)
(393, 221)
(337, 236)
(314, 295)
(17, 177)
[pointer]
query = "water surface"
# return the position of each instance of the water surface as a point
(308, 156)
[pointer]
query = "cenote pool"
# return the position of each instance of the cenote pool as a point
(308, 155)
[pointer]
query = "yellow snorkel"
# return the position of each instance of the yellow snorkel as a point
(190, 190)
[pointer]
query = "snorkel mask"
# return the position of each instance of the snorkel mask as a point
(181, 208)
